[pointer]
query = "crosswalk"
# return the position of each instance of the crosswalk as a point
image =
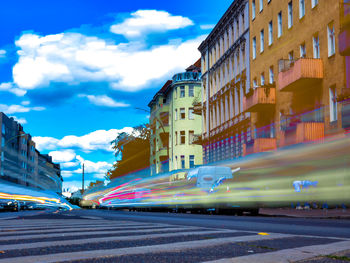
(99, 240)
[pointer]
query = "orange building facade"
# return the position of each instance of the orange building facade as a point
(275, 73)
(297, 72)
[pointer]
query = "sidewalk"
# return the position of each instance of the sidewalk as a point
(312, 213)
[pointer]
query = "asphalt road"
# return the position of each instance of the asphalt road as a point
(117, 236)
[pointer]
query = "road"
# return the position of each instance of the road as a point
(118, 236)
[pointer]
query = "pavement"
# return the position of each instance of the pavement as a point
(306, 213)
(84, 236)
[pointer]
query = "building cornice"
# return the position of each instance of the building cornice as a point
(232, 12)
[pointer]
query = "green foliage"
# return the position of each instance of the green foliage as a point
(132, 151)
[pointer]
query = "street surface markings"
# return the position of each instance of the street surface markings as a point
(91, 217)
(90, 240)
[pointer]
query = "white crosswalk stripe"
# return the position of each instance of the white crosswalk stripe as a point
(75, 240)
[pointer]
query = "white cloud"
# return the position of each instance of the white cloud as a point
(20, 120)
(10, 109)
(97, 140)
(25, 103)
(10, 87)
(45, 143)
(98, 169)
(2, 53)
(144, 21)
(74, 58)
(104, 101)
(207, 26)
(63, 156)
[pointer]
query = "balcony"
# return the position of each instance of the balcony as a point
(162, 153)
(260, 99)
(302, 128)
(197, 139)
(261, 145)
(197, 108)
(300, 75)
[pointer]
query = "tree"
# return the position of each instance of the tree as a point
(132, 151)
(93, 184)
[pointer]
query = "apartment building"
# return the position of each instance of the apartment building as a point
(174, 125)
(21, 163)
(225, 81)
(296, 72)
(344, 49)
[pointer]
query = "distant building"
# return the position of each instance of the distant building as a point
(174, 126)
(21, 163)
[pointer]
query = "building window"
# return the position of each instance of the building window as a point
(190, 114)
(176, 138)
(176, 162)
(270, 33)
(182, 161)
(191, 161)
(302, 51)
(182, 114)
(271, 75)
(316, 46)
(262, 41)
(261, 5)
(253, 9)
(24, 141)
(314, 3)
(182, 137)
(262, 79)
(279, 22)
(2, 156)
(290, 14)
(255, 83)
(333, 104)
(301, 8)
(191, 91)
(182, 91)
(175, 117)
(2, 142)
(291, 56)
(243, 22)
(3, 129)
(24, 165)
(175, 93)
(190, 137)
(254, 48)
(331, 40)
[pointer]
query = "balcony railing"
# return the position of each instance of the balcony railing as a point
(187, 76)
(197, 108)
(301, 74)
(260, 99)
(197, 139)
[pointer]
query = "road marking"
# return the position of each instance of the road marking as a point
(92, 217)
(76, 230)
(138, 250)
(88, 233)
(106, 239)
(289, 255)
(7, 218)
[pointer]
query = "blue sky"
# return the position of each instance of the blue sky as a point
(73, 71)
